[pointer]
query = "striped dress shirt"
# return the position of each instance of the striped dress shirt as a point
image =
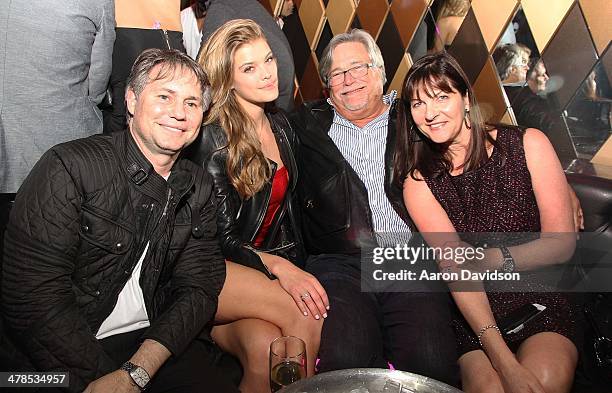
(364, 150)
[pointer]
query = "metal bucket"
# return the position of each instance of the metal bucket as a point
(369, 380)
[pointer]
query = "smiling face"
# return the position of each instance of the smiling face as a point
(440, 115)
(355, 98)
(538, 78)
(255, 78)
(167, 115)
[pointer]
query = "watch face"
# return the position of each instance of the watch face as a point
(140, 376)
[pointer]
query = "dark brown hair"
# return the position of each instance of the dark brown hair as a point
(413, 150)
(169, 61)
(199, 8)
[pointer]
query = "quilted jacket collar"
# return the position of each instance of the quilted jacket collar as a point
(141, 172)
(137, 166)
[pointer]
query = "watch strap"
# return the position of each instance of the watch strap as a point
(508, 264)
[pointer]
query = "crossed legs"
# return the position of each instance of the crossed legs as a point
(551, 357)
(253, 310)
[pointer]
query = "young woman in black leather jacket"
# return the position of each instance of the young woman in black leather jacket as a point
(249, 150)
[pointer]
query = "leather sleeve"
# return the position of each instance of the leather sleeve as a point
(211, 153)
(39, 305)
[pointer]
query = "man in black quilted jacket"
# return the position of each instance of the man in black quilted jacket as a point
(111, 266)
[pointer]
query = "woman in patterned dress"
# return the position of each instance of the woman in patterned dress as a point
(461, 175)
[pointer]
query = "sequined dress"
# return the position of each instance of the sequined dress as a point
(498, 197)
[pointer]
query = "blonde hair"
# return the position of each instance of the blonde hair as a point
(454, 8)
(247, 167)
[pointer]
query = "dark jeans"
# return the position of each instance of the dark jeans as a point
(192, 372)
(412, 331)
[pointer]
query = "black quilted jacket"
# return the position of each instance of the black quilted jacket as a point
(79, 224)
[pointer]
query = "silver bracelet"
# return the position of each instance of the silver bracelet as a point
(484, 329)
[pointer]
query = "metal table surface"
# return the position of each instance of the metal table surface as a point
(369, 380)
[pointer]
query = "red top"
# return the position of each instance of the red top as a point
(279, 188)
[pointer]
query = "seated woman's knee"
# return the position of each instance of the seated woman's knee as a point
(555, 377)
(257, 344)
(481, 382)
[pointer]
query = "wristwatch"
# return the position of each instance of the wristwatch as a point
(139, 375)
(508, 264)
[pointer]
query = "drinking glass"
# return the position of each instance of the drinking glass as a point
(287, 361)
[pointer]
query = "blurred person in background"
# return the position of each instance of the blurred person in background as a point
(512, 63)
(449, 21)
(286, 11)
(55, 61)
(537, 78)
(530, 104)
(192, 21)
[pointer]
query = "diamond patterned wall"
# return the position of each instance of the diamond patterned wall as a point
(400, 28)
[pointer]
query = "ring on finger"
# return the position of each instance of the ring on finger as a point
(305, 296)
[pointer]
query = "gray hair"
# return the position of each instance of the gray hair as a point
(169, 60)
(506, 57)
(355, 35)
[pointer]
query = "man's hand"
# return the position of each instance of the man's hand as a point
(118, 381)
(151, 356)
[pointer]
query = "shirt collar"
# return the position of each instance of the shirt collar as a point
(387, 99)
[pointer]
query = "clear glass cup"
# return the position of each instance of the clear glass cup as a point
(287, 361)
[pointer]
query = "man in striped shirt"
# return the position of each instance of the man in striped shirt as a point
(349, 204)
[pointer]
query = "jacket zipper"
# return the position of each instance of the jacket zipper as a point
(169, 198)
(166, 37)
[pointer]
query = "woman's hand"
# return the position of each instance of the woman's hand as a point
(305, 289)
(576, 211)
(516, 378)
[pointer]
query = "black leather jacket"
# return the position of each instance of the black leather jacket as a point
(80, 222)
(239, 220)
(335, 212)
